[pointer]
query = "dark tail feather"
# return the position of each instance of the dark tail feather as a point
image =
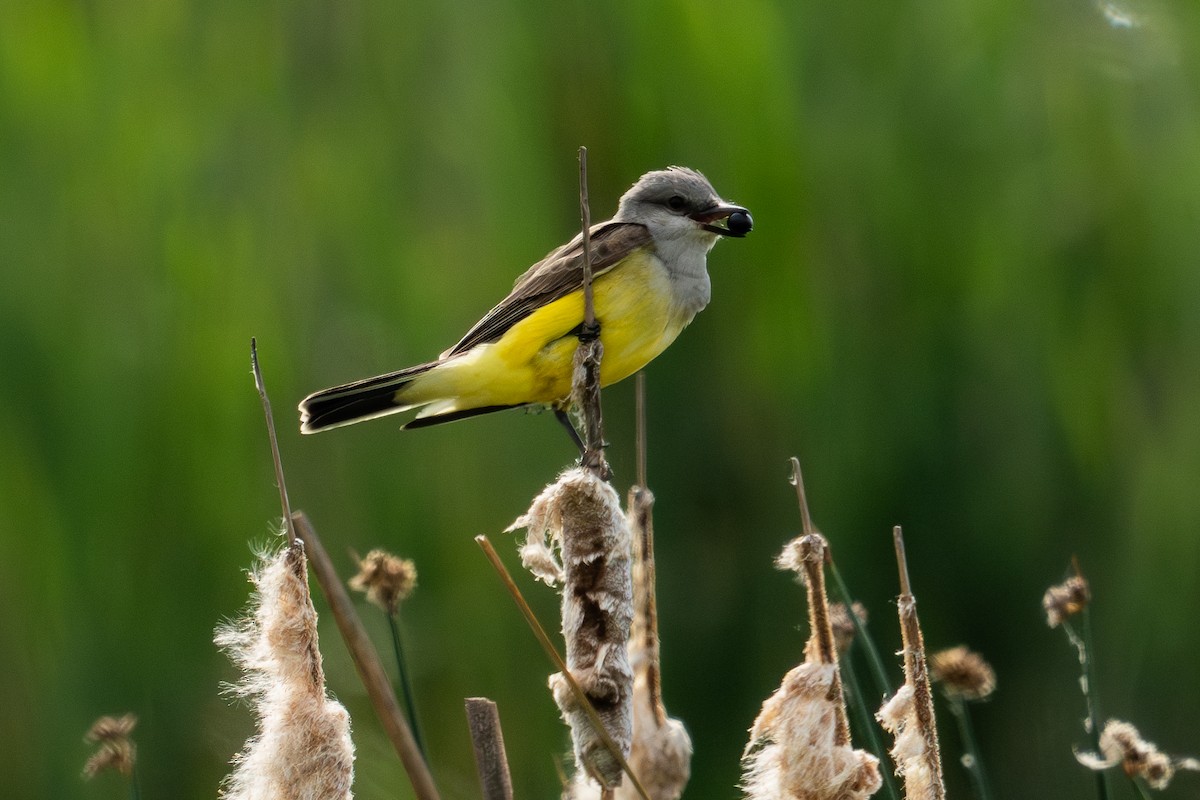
(358, 401)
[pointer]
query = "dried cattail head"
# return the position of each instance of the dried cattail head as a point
(1066, 599)
(843, 624)
(303, 747)
(962, 673)
(1120, 743)
(795, 749)
(581, 516)
(387, 579)
(117, 750)
(912, 750)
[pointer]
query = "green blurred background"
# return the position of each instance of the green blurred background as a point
(971, 306)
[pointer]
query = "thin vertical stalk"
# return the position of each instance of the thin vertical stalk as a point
(966, 732)
(410, 697)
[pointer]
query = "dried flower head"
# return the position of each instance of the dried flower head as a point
(1120, 743)
(581, 516)
(303, 747)
(962, 673)
(1066, 599)
(387, 579)
(795, 749)
(843, 624)
(117, 750)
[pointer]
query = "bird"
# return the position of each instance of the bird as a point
(650, 279)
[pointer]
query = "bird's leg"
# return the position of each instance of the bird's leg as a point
(563, 417)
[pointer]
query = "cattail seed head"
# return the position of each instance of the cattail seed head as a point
(794, 749)
(387, 579)
(303, 747)
(581, 516)
(117, 750)
(962, 673)
(1066, 599)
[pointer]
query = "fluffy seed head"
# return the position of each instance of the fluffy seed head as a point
(1120, 743)
(794, 752)
(1066, 599)
(387, 579)
(962, 673)
(117, 750)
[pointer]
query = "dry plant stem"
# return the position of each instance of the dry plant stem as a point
(483, 720)
(820, 644)
(585, 220)
(366, 661)
(645, 620)
(266, 404)
(544, 639)
(879, 672)
(916, 672)
(797, 480)
(639, 393)
(585, 384)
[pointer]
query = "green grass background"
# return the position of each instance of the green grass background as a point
(971, 306)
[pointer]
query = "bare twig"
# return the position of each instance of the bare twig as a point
(862, 636)
(544, 639)
(366, 661)
(797, 480)
(585, 219)
(266, 404)
(645, 620)
(640, 422)
(585, 384)
(813, 552)
(916, 673)
(483, 720)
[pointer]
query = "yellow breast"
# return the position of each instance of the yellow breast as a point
(532, 362)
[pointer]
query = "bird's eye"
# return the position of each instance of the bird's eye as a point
(676, 203)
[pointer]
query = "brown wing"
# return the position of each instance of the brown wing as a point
(555, 276)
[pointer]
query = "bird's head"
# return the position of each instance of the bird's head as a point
(677, 202)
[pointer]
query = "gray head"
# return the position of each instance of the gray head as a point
(678, 201)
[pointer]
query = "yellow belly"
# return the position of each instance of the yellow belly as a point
(532, 362)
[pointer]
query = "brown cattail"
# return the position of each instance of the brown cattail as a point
(387, 579)
(909, 714)
(963, 673)
(303, 747)
(116, 749)
(581, 516)
(800, 742)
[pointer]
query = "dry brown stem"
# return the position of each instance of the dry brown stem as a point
(909, 714)
(483, 720)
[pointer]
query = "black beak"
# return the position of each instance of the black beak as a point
(725, 220)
